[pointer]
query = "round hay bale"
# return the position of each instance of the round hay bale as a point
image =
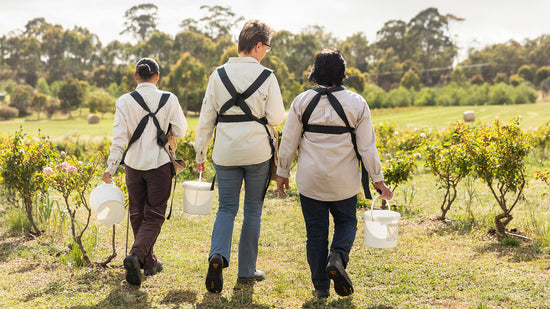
(93, 119)
(469, 116)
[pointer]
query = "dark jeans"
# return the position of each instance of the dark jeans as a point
(148, 193)
(316, 216)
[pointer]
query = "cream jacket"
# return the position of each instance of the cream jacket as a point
(145, 153)
(328, 169)
(238, 143)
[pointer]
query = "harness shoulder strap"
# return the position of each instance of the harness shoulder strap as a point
(238, 98)
(143, 122)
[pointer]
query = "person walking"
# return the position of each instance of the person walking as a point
(331, 126)
(148, 167)
(242, 97)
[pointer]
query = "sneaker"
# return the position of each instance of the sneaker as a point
(258, 276)
(153, 270)
(214, 277)
(321, 294)
(133, 269)
(337, 272)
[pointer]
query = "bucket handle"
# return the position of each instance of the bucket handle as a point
(372, 206)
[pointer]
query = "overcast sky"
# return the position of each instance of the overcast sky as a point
(485, 21)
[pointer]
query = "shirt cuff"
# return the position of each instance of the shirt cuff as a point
(283, 172)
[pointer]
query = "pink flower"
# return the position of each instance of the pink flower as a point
(48, 170)
(64, 164)
(417, 155)
(387, 155)
(423, 135)
(191, 143)
(63, 153)
(71, 169)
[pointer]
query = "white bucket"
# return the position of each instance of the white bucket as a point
(107, 200)
(381, 227)
(197, 197)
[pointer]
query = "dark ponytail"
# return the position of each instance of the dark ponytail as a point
(146, 68)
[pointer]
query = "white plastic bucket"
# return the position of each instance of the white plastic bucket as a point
(197, 197)
(381, 227)
(107, 200)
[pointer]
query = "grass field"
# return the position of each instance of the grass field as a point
(437, 117)
(454, 264)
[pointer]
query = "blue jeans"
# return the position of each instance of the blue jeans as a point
(316, 216)
(230, 179)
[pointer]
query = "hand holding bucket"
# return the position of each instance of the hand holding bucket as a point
(381, 227)
(197, 196)
(107, 200)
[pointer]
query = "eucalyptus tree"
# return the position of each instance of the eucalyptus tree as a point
(141, 21)
(217, 22)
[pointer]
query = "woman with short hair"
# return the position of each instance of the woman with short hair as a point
(242, 97)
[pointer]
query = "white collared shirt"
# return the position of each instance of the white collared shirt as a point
(145, 153)
(238, 143)
(328, 169)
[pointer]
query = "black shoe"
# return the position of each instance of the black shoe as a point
(258, 276)
(337, 272)
(153, 270)
(214, 277)
(133, 270)
(321, 294)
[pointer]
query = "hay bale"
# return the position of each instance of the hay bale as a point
(93, 119)
(469, 116)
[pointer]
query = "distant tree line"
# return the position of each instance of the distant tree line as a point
(72, 67)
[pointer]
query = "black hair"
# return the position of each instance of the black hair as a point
(147, 68)
(329, 68)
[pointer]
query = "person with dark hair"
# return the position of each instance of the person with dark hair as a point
(241, 100)
(332, 128)
(148, 166)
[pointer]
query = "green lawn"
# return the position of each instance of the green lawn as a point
(437, 117)
(454, 264)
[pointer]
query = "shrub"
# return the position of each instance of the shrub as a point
(500, 94)
(22, 161)
(375, 96)
(523, 93)
(399, 97)
(447, 158)
(425, 97)
(7, 112)
(499, 154)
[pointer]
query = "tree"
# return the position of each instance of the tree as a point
(100, 101)
(188, 80)
(357, 51)
(39, 102)
(411, 80)
(218, 22)
(428, 35)
(542, 74)
(71, 95)
(21, 99)
(141, 21)
(42, 86)
(355, 80)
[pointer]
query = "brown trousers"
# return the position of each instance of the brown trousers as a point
(148, 194)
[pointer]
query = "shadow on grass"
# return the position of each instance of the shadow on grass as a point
(179, 296)
(10, 246)
(343, 303)
(520, 253)
(242, 298)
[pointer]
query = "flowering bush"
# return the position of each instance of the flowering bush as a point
(73, 179)
(22, 161)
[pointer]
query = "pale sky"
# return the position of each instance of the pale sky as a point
(486, 21)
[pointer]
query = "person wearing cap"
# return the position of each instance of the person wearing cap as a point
(241, 149)
(328, 172)
(147, 164)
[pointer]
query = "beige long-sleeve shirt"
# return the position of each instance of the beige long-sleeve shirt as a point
(145, 153)
(238, 143)
(328, 169)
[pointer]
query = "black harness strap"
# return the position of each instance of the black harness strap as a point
(335, 129)
(237, 99)
(162, 139)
